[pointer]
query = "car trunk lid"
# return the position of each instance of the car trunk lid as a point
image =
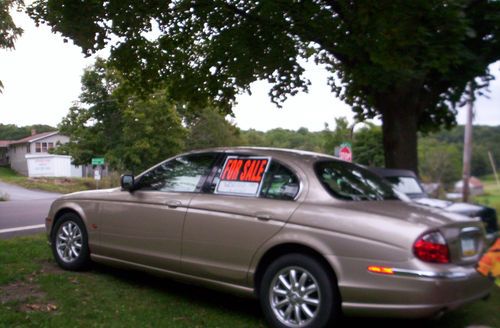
(465, 236)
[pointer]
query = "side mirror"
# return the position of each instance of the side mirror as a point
(127, 182)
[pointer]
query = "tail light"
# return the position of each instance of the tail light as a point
(432, 247)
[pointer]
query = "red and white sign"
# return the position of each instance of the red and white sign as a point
(242, 175)
(345, 153)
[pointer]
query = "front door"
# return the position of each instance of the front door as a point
(145, 226)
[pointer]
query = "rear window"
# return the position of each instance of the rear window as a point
(350, 182)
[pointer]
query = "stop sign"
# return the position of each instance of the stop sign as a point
(345, 152)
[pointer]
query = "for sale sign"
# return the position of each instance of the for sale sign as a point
(242, 175)
(345, 152)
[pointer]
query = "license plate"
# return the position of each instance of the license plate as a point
(468, 247)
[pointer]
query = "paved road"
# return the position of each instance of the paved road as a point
(24, 209)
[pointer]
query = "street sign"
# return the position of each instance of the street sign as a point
(345, 152)
(98, 161)
(97, 174)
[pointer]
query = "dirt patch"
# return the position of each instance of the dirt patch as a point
(57, 181)
(20, 292)
(49, 266)
(38, 307)
(28, 292)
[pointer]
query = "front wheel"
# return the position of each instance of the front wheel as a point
(297, 291)
(70, 243)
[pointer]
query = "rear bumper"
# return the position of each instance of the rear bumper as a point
(408, 311)
(411, 293)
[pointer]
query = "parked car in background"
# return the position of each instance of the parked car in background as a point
(309, 235)
(407, 182)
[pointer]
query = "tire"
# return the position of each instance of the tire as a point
(70, 243)
(289, 305)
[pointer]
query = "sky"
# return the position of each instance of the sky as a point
(41, 80)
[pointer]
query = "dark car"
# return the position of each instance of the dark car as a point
(407, 182)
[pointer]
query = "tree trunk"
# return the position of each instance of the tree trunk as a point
(399, 127)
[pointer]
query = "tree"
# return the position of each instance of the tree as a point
(131, 132)
(335, 138)
(367, 147)
(440, 162)
(14, 132)
(211, 129)
(405, 61)
(9, 32)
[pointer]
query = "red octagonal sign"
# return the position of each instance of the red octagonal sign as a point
(345, 152)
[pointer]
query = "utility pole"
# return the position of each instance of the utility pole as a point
(493, 167)
(467, 146)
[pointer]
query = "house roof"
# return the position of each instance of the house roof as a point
(473, 183)
(33, 138)
(4, 143)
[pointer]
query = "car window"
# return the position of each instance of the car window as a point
(279, 183)
(407, 185)
(181, 174)
(351, 182)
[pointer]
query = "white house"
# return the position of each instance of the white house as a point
(25, 155)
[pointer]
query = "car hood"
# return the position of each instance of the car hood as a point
(89, 194)
(409, 212)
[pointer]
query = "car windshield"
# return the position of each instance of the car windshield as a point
(407, 185)
(350, 182)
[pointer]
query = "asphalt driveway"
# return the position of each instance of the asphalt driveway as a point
(25, 211)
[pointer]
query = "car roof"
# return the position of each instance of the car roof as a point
(281, 152)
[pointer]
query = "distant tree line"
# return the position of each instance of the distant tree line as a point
(136, 139)
(14, 132)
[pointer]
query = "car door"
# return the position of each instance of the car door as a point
(225, 227)
(145, 226)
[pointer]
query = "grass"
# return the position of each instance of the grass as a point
(491, 196)
(60, 185)
(107, 297)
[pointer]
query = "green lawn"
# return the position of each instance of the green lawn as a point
(491, 196)
(35, 293)
(60, 185)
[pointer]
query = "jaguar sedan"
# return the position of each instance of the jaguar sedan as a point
(309, 235)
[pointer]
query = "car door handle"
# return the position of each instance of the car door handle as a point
(173, 203)
(263, 216)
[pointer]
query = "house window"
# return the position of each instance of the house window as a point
(43, 147)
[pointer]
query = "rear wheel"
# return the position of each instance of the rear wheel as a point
(297, 291)
(70, 242)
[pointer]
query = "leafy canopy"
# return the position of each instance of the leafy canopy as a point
(9, 32)
(421, 52)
